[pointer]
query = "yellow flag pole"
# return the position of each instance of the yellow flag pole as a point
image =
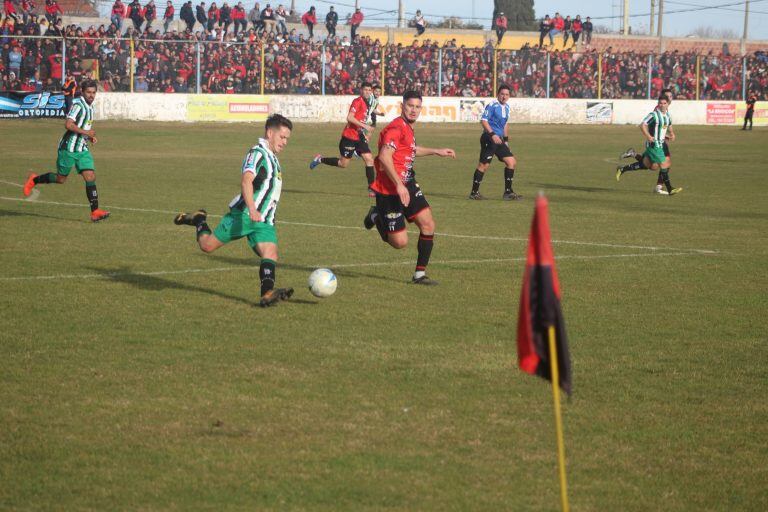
(558, 418)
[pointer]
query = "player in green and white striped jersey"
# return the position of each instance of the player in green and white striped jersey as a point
(374, 108)
(654, 127)
(252, 212)
(73, 151)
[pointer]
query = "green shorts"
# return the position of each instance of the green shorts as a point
(655, 154)
(82, 160)
(236, 225)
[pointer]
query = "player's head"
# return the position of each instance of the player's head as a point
(503, 93)
(88, 90)
(668, 94)
(376, 90)
(277, 131)
(411, 106)
(663, 103)
(366, 89)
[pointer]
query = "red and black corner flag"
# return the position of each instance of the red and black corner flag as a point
(540, 306)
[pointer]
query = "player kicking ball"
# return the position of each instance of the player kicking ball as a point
(398, 196)
(631, 153)
(252, 212)
(73, 151)
(654, 128)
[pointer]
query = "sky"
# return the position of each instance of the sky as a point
(729, 16)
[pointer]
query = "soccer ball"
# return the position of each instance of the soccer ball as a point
(322, 283)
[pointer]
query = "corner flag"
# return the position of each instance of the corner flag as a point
(540, 306)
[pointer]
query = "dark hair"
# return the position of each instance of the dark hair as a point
(663, 97)
(502, 87)
(366, 84)
(276, 121)
(376, 86)
(664, 92)
(85, 84)
(408, 95)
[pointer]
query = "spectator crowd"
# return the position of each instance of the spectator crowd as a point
(233, 45)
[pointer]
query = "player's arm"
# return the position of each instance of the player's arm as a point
(646, 133)
(246, 192)
(422, 151)
(671, 134)
(487, 127)
(385, 159)
(353, 120)
(71, 126)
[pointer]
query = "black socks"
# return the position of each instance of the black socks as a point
(509, 175)
(424, 248)
(267, 275)
(46, 178)
(333, 162)
(476, 180)
(92, 194)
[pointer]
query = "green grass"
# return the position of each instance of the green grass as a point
(126, 386)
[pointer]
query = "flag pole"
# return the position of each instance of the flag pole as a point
(558, 418)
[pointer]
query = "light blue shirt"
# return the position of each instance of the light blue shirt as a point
(497, 116)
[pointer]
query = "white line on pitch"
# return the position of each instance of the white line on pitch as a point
(107, 275)
(357, 228)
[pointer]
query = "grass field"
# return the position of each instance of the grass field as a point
(136, 373)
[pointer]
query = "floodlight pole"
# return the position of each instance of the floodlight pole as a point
(626, 18)
(661, 21)
(401, 14)
(653, 17)
(746, 28)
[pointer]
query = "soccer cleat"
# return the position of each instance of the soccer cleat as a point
(191, 219)
(272, 297)
(619, 172)
(629, 153)
(368, 221)
(660, 190)
(29, 184)
(511, 196)
(424, 280)
(476, 196)
(315, 161)
(675, 191)
(97, 215)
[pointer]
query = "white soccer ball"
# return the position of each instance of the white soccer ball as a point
(322, 283)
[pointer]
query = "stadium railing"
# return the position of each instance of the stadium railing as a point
(162, 65)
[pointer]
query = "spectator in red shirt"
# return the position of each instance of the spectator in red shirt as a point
(52, 11)
(168, 16)
(310, 20)
(239, 17)
(150, 13)
(118, 13)
(355, 22)
(10, 10)
(576, 28)
(27, 10)
(501, 27)
(213, 16)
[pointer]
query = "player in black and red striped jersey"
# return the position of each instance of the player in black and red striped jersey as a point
(398, 196)
(354, 138)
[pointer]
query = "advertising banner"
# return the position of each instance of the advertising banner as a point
(721, 113)
(33, 105)
(225, 107)
(599, 112)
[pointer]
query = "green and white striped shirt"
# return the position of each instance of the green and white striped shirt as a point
(373, 105)
(657, 123)
(82, 114)
(267, 182)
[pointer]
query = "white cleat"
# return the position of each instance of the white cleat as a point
(660, 190)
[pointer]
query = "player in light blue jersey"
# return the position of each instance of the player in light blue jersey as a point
(494, 142)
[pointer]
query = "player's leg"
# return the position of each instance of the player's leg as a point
(207, 241)
(506, 156)
(664, 172)
(389, 219)
(64, 163)
(89, 176)
(370, 173)
(487, 150)
(263, 241)
(346, 151)
(659, 188)
(426, 225)
(642, 163)
(629, 153)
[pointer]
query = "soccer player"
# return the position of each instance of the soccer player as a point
(494, 142)
(73, 151)
(398, 196)
(374, 109)
(631, 153)
(751, 100)
(252, 212)
(354, 138)
(655, 127)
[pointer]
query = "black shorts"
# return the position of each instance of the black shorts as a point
(394, 213)
(665, 146)
(348, 147)
(488, 149)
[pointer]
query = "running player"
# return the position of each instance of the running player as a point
(73, 151)
(495, 142)
(631, 153)
(374, 108)
(354, 138)
(252, 212)
(398, 196)
(654, 128)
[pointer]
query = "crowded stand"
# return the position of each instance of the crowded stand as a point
(232, 46)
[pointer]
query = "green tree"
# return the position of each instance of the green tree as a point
(520, 13)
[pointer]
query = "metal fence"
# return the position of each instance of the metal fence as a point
(161, 65)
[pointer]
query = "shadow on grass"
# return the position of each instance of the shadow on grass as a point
(546, 186)
(11, 213)
(155, 283)
(341, 272)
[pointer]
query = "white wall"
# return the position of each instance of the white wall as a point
(305, 108)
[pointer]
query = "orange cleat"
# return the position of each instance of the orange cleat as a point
(97, 215)
(30, 184)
